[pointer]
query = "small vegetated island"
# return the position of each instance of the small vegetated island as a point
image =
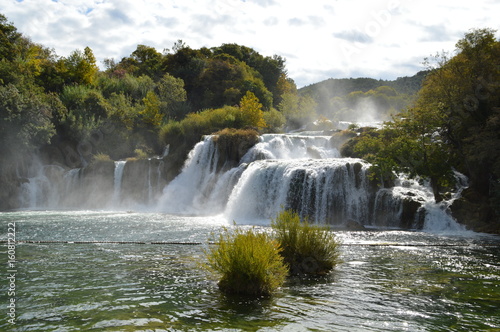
(251, 262)
(66, 111)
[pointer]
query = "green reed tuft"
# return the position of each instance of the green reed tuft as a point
(307, 249)
(248, 263)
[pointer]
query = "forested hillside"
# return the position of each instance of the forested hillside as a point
(363, 99)
(69, 112)
(68, 103)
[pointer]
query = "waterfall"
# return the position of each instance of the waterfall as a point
(117, 182)
(298, 172)
(437, 216)
(279, 146)
(304, 173)
(188, 193)
(324, 190)
(43, 189)
(69, 194)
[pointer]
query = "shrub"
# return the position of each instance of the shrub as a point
(101, 157)
(140, 154)
(248, 262)
(306, 249)
(233, 144)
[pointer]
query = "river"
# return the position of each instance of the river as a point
(72, 274)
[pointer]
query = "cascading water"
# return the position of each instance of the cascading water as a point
(438, 218)
(300, 172)
(117, 182)
(286, 147)
(202, 188)
(324, 190)
(188, 193)
(43, 189)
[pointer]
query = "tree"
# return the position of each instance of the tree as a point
(151, 115)
(298, 110)
(80, 67)
(451, 123)
(147, 60)
(172, 97)
(24, 121)
(251, 111)
(465, 88)
(8, 39)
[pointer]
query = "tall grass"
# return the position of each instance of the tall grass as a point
(248, 263)
(307, 249)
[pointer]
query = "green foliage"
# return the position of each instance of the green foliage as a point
(251, 111)
(80, 67)
(101, 157)
(411, 145)
(140, 154)
(25, 120)
(138, 94)
(453, 122)
(8, 38)
(195, 125)
(465, 90)
(298, 110)
(237, 135)
(255, 263)
(306, 249)
(172, 96)
(151, 115)
(248, 263)
(233, 144)
(275, 120)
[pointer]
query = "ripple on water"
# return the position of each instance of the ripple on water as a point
(391, 287)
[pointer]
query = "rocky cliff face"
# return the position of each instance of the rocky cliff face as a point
(474, 211)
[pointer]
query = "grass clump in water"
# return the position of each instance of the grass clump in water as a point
(248, 262)
(307, 249)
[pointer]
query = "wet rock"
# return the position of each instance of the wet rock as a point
(474, 211)
(353, 225)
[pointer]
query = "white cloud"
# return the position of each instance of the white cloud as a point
(319, 38)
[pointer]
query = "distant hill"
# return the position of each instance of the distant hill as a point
(363, 99)
(338, 87)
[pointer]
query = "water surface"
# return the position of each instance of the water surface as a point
(389, 280)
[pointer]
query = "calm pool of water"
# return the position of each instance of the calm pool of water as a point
(389, 280)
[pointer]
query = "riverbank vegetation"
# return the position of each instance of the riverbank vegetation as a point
(453, 125)
(70, 104)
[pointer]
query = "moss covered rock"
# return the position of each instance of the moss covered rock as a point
(233, 144)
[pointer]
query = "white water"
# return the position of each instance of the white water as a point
(188, 192)
(325, 190)
(302, 172)
(286, 147)
(117, 182)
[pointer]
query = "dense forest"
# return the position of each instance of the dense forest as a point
(68, 111)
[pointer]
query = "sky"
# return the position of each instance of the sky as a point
(320, 39)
